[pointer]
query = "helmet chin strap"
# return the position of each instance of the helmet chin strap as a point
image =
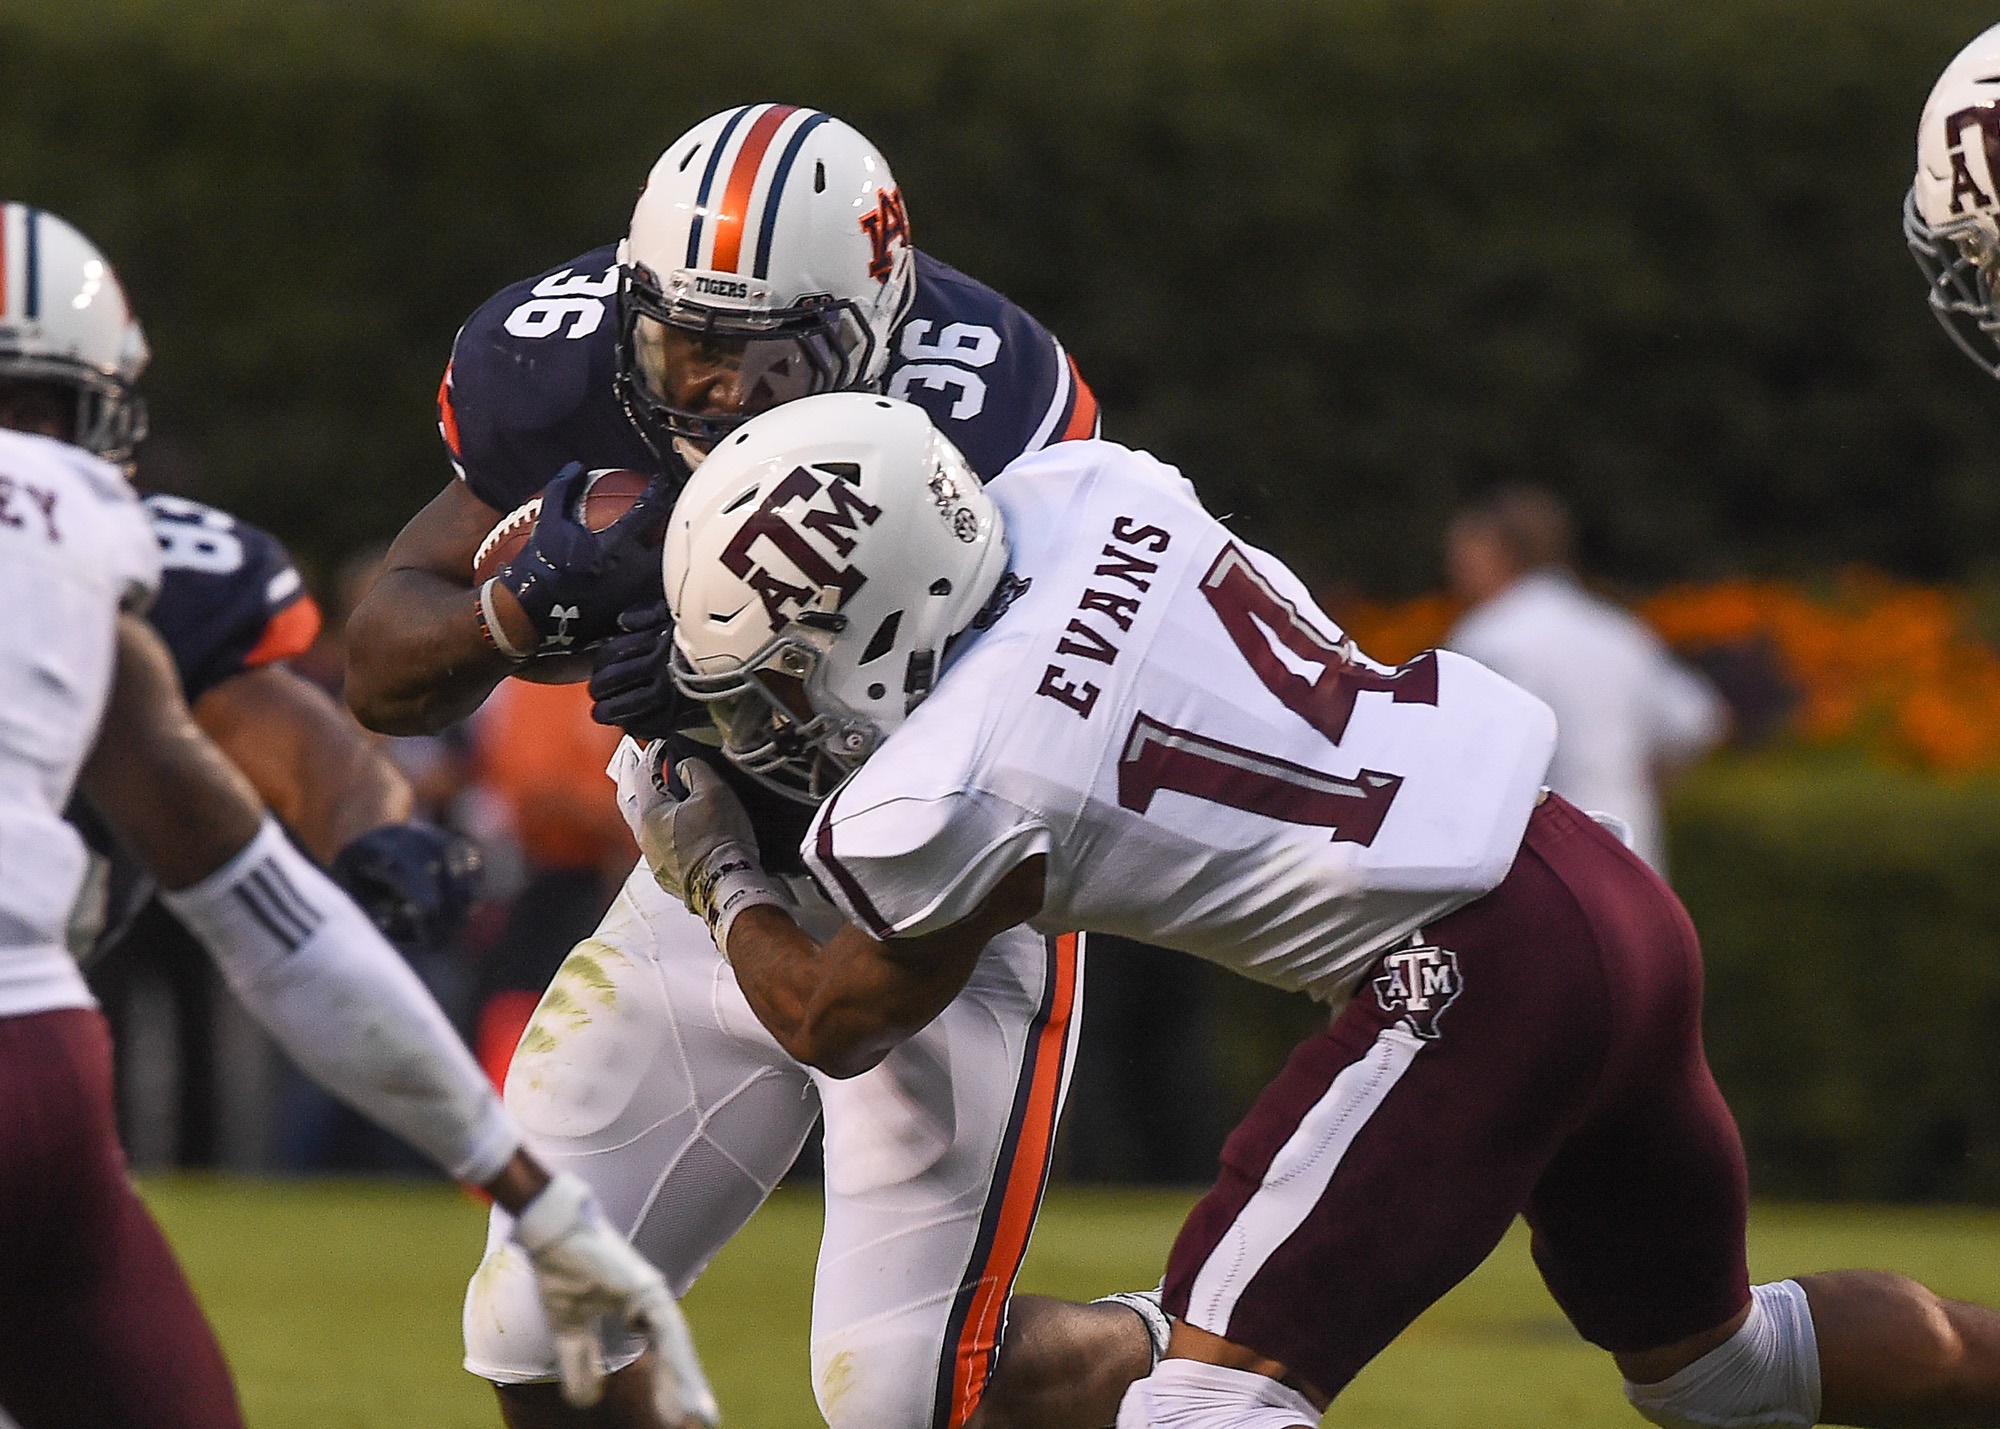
(688, 452)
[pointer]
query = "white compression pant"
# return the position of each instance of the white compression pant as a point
(645, 1072)
(1187, 1394)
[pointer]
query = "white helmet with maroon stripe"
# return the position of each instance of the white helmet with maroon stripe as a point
(64, 321)
(769, 259)
(817, 566)
(1951, 217)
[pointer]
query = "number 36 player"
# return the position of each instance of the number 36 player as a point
(769, 258)
(1145, 727)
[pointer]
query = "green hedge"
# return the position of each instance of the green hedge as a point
(1851, 923)
(1346, 260)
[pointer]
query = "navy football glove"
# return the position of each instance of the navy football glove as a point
(415, 881)
(573, 582)
(631, 686)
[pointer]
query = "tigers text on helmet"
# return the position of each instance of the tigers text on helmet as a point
(769, 259)
(64, 321)
(817, 565)
(1949, 217)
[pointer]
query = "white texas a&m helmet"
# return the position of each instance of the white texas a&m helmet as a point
(1950, 215)
(64, 320)
(773, 234)
(817, 565)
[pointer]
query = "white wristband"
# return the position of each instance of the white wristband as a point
(727, 882)
(489, 620)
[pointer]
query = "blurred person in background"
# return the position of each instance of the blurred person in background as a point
(1630, 717)
(97, 1325)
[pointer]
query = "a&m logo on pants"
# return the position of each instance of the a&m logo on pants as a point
(1419, 982)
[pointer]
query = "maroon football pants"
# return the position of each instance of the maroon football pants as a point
(1538, 1053)
(98, 1328)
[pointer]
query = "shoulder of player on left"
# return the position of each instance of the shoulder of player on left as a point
(529, 384)
(230, 598)
(994, 380)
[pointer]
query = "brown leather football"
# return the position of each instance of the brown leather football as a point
(607, 495)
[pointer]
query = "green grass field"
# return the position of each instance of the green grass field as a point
(338, 1303)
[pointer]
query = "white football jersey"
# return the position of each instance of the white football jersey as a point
(75, 549)
(1204, 758)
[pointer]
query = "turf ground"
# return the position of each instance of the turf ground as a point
(338, 1303)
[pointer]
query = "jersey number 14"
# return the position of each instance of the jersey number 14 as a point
(1159, 756)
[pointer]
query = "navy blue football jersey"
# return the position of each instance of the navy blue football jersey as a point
(529, 387)
(230, 598)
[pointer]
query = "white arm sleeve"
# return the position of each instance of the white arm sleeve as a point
(314, 971)
(905, 866)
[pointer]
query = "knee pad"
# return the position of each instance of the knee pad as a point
(1765, 1373)
(1188, 1394)
(507, 1337)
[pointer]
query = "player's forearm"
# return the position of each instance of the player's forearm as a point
(797, 994)
(319, 772)
(314, 972)
(416, 661)
(844, 1005)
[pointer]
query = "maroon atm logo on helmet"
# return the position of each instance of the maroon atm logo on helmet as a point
(888, 228)
(1419, 982)
(834, 522)
(1986, 119)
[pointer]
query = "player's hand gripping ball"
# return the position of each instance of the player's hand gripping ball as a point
(576, 556)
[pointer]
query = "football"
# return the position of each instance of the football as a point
(607, 495)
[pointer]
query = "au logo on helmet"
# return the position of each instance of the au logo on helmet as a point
(888, 227)
(833, 523)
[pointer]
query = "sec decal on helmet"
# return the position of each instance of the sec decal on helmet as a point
(1949, 217)
(64, 321)
(817, 565)
(769, 259)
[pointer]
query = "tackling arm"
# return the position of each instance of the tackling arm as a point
(416, 659)
(843, 1005)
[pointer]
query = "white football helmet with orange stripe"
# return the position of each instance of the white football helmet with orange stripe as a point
(769, 259)
(1951, 217)
(64, 321)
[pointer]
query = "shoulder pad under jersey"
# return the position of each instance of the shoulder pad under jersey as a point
(230, 598)
(530, 384)
(993, 379)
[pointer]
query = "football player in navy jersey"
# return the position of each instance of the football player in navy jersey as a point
(98, 1326)
(769, 258)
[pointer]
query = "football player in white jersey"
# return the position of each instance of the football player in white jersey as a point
(98, 1326)
(1075, 700)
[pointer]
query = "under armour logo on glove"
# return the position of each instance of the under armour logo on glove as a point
(562, 615)
(1419, 982)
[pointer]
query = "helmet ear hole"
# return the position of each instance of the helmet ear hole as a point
(884, 638)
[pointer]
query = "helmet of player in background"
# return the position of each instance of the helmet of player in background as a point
(769, 259)
(817, 565)
(64, 322)
(1950, 215)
